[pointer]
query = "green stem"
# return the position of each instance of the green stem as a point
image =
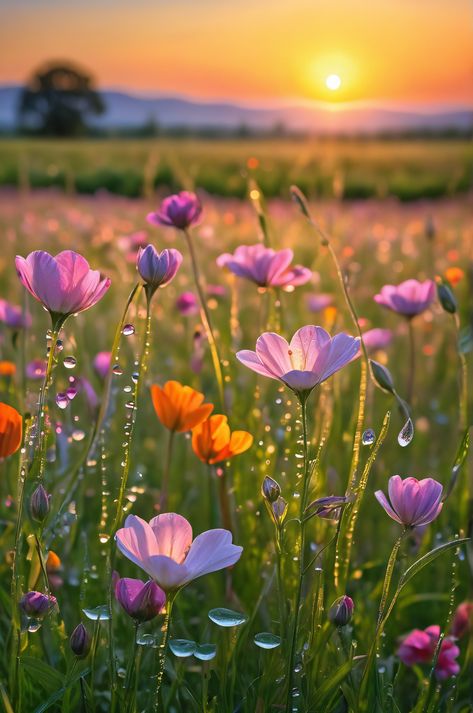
(163, 501)
(205, 317)
(412, 363)
(224, 502)
(41, 434)
(130, 688)
(162, 650)
(463, 387)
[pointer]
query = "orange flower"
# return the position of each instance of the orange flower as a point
(7, 368)
(53, 563)
(10, 430)
(212, 440)
(179, 407)
(454, 275)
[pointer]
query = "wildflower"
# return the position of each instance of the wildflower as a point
(36, 605)
(341, 611)
(187, 304)
(409, 298)
(419, 647)
(165, 550)
(7, 368)
(311, 357)
(36, 369)
(102, 362)
(80, 641)
(462, 620)
(157, 269)
(13, 316)
(64, 284)
(264, 266)
(375, 339)
(270, 489)
(180, 210)
(142, 601)
(454, 275)
(319, 302)
(39, 504)
(11, 427)
(179, 407)
(213, 442)
(412, 502)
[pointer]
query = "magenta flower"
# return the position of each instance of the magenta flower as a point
(165, 550)
(409, 298)
(142, 601)
(375, 339)
(265, 267)
(158, 269)
(311, 357)
(102, 363)
(36, 604)
(319, 302)
(187, 304)
(463, 620)
(412, 502)
(13, 316)
(36, 369)
(64, 284)
(180, 210)
(419, 647)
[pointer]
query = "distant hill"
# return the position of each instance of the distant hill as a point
(129, 111)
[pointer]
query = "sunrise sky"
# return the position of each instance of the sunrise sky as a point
(393, 52)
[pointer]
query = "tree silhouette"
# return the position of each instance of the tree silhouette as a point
(57, 101)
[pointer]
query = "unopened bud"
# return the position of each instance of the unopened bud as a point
(446, 297)
(80, 641)
(382, 376)
(270, 489)
(279, 510)
(341, 611)
(39, 504)
(36, 605)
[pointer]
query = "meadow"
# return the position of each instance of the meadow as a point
(314, 614)
(407, 169)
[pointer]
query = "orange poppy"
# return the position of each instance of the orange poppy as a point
(11, 425)
(7, 368)
(179, 407)
(212, 440)
(53, 563)
(454, 275)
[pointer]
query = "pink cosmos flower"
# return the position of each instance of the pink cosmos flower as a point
(187, 304)
(375, 339)
(311, 357)
(165, 550)
(463, 620)
(180, 210)
(412, 502)
(142, 601)
(102, 362)
(64, 284)
(264, 266)
(158, 269)
(13, 316)
(419, 647)
(409, 298)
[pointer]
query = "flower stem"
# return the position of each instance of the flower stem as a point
(205, 317)
(412, 363)
(162, 650)
(223, 499)
(163, 500)
(41, 415)
(130, 687)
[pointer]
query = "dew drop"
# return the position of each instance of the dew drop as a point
(128, 330)
(62, 400)
(368, 437)
(117, 370)
(70, 362)
(182, 648)
(266, 640)
(101, 612)
(227, 617)
(205, 652)
(78, 435)
(71, 393)
(406, 434)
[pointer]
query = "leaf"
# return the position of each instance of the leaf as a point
(42, 673)
(5, 700)
(459, 461)
(57, 695)
(427, 559)
(327, 688)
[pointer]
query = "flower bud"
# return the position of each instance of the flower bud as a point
(142, 601)
(39, 504)
(341, 611)
(446, 297)
(80, 641)
(279, 510)
(36, 605)
(270, 489)
(382, 376)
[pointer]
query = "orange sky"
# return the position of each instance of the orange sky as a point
(394, 51)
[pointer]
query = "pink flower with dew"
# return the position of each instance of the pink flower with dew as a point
(165, 549)
(419, 647)
(180, 211)
(102, 363)
(375, 339)
(13, 316)
(142, 601)
(311, 357)
(158, 269)
(64, 284)
(409, 298)
(265, 267)
(187, 304)
(412, 502)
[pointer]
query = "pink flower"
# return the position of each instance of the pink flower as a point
(13, 316)
(142, 601)
(317, 303)
(412, 502)
(265, 267)
(36, 604)
(463, 620)
(165, 550)
(36, 369)
(311, 357)
(102, 362)
(187, 304)
(419, 647)
(375, 339)
(158, 269)
(180, 210)
(409, 298)
(64, 284)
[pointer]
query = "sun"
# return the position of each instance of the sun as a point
(333, 82)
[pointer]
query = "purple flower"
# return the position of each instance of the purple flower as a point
(39, 504)
(180, 210)
(102, 362)
(265, 267)
(409, 298)
(13, 316)
(36, 604)
(375, 339)
(311, 357)
(36, 369)
(412, 502)
(80, 641)
(187, 304)
(420, 646)
(341, 611)
(158, 269)
(64, 284)
(142, 601)
(317, 303)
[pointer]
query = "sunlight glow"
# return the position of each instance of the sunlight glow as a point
(333, 82)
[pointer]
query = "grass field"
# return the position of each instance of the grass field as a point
(352, 169)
